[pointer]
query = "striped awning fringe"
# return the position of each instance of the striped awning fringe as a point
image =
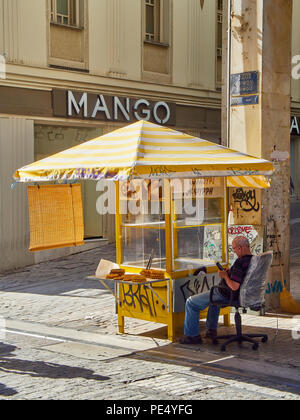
(144, 150)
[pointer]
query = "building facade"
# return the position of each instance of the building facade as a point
(76, 69)
(72, 70)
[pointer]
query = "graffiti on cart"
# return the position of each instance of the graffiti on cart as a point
(139, 297)
(212, 246)
(196, 286)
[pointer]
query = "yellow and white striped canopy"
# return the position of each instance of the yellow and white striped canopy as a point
(147, 150)
(253, 181)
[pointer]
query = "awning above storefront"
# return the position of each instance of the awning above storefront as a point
(147, 150)
(258, 181)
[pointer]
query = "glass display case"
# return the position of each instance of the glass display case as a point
(174, 226)
(177, 224)
(198, 223)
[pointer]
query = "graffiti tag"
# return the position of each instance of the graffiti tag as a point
(246, 199)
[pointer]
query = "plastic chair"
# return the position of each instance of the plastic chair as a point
(252, 296)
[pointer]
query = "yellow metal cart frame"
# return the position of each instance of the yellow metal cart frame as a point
(144, 150)
(154, 301)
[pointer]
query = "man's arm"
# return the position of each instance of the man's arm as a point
(233, 285)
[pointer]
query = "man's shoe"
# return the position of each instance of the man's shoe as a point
(212, 334)
(191, 340)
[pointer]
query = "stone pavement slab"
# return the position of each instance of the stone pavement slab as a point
(124, 343)
(75, 318)
(32, 371)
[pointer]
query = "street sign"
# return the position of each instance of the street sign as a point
(244, 83)
(245, 100)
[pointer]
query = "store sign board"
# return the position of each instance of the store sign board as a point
(200, 188)
(99, 107)
(295, 126)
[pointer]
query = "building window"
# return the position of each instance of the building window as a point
(219, 41)
(157, 21)
(152, 20)
(67, 12)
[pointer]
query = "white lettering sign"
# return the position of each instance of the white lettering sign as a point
(118, 105)
(101, 107)
(167, 109)
(296, 68)
(72, 103)
(145, 112)
(295, 125)
(118, 109)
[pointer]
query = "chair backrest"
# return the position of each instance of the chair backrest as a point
(252, 291)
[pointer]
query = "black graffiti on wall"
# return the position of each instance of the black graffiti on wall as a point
(247, 200)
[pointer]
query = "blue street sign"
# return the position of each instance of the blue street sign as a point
(245, 100)
(244, 83)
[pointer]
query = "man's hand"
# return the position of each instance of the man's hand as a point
(231, 284)
(224, 273)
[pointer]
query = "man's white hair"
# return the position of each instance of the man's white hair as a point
(242, 241)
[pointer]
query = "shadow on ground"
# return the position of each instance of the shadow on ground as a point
(9, 363)
(239, 362)
(281, 348)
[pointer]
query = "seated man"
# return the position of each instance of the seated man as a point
(231, 281)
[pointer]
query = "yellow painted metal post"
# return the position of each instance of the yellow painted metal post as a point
(121, 324)
(225, 254)
(174, 237)
(169, 255)
(168, 227)
(224, 222)
(118, 221)
(226, 318)
(171, 318)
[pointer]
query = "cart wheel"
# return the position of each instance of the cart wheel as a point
(223, 348)
(255, 346)
(215, 341)
(264, 339)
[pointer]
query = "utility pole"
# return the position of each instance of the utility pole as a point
(258, 122)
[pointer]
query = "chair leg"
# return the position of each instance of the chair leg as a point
(264, 337)
(239, 336)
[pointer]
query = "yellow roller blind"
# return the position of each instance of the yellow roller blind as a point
(55, 216)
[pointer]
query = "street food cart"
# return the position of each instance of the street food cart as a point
(171, 212)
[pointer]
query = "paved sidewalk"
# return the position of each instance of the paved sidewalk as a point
(54, 299)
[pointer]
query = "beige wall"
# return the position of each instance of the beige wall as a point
(16, 150)
(114, 50)
(194, 40)
(23, 34)
(115, 47)
(113, 54)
